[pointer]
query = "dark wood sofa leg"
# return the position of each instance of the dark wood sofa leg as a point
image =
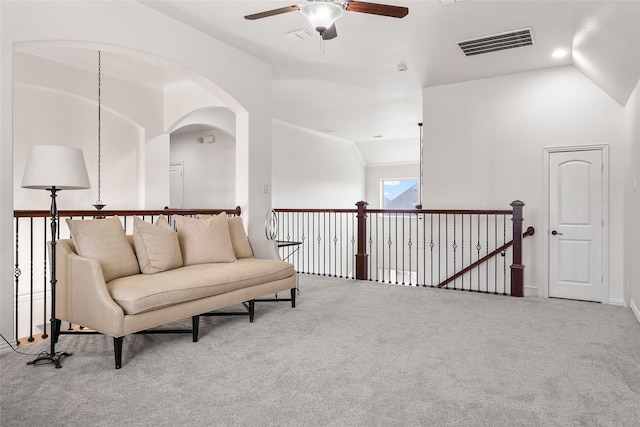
(117, 347)
(293, 297)
(195, 324)
(252, 310)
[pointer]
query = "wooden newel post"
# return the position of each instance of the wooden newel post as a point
(362, 258)
(517, 269)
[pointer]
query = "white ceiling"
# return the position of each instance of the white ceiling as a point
(350, 87)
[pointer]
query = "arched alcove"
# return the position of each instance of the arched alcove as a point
(202, 170)
(143, 99)
(203, 159)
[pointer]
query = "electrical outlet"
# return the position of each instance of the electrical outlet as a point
(265, 189)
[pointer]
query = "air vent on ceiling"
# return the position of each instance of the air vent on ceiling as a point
(496, 42)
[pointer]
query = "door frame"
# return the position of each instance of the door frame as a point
(604, 149)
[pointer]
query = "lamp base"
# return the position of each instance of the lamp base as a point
(51, 358)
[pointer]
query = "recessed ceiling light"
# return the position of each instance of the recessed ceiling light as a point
(377, 136)
(559, 53)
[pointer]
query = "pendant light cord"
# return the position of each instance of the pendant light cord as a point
(99, 126)
(421, 166)
(98, 204)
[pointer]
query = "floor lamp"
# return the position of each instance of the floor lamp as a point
(54, 168)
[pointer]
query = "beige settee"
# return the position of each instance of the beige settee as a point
(119, 284)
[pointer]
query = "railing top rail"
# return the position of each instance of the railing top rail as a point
(444, 211)
(237, 211)
(288, 210)
(408, 211)
(124, 212)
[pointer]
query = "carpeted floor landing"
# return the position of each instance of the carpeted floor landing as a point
(351, 354)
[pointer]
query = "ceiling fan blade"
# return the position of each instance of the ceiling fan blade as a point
(377, 9)
(330, 33)
(272, 12)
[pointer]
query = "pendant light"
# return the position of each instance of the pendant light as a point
(99, 204)
(419, 205)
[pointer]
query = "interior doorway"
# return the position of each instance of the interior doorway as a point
(176, 187)
(577, 217)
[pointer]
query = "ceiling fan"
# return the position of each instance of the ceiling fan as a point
(324, 13)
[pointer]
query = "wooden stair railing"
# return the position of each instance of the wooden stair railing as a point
(529, 232)
(517, 268)
(123, 212)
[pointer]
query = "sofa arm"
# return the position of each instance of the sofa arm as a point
(89, 302)
(265, 249)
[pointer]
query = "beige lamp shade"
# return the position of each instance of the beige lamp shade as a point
(50, 166)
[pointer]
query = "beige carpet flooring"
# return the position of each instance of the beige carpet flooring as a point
(351, 354)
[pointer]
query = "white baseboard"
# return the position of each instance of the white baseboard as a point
(635, 310)
(4, 347)
(619, 302)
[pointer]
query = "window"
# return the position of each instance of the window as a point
(399, 193)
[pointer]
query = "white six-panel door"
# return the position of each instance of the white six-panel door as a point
(576, 225)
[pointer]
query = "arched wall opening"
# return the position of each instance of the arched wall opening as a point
(203, 160)
(137, 126)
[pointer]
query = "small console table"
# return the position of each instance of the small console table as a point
(291, 246)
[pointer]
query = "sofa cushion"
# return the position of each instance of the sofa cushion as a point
(239, 239)
(204, 240)
(157, 246)
(105, 240)
(141, 293)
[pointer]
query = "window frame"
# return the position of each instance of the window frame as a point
(382, 188)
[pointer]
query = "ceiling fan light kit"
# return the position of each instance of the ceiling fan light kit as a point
(322, 14)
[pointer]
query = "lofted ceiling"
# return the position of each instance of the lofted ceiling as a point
(351, 88)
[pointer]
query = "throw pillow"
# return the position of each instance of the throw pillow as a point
(239, 239)
(157, 246)
(105, 240)
(204, 240)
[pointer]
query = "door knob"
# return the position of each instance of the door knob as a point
(554, 232)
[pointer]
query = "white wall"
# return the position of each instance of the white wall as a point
(376, 173)
(62, 110)
(62, 99)
(632, 202)
(484, 143)
(156, 192)
(209, 169)
(242, 82)
(314, 171)
(386, 151)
